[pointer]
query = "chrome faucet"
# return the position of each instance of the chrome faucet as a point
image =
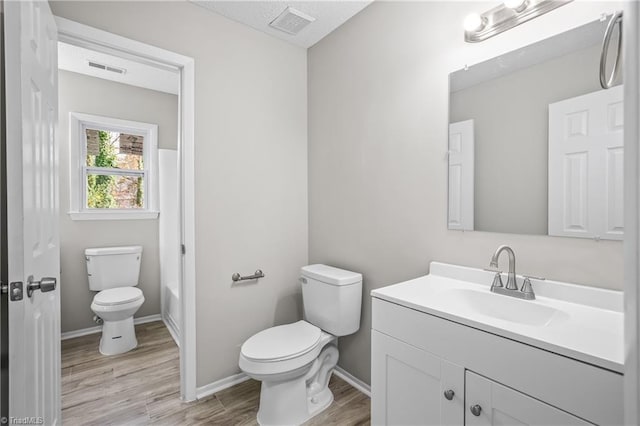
(511, 278)
(526, 292)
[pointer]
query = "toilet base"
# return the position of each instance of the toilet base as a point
(294, 401)
(286, 403)
(118, 337)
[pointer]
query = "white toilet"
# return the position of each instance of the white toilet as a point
(114, 273)
(295, 361)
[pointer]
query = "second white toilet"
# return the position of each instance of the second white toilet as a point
(295, 361)
(114, 273)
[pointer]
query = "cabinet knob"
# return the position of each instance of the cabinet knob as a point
(475, 410)
(449, 394)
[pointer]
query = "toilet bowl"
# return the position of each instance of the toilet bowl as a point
(295, 361)
(113, 272)
(116, 307)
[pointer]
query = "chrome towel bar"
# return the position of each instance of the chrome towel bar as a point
(237, 277)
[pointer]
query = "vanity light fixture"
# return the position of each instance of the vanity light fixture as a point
(517, 5)
(506, 16)
(474, 22)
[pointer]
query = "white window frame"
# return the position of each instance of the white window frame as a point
(78, 170)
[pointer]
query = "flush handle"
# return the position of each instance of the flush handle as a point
(45, 285)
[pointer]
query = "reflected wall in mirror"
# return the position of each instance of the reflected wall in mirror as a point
(535, 144)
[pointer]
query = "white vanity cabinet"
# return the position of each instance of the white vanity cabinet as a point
(412, 387)
(417, 356)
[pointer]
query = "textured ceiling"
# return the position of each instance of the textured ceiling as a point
(258, 14)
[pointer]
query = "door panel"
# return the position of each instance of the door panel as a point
(500, 405)
(461, 175)
(408, 385)
(586, 156)
(32, 214)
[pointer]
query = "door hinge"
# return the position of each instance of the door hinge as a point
(183, 249)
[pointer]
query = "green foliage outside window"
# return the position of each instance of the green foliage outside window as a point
(99, 187)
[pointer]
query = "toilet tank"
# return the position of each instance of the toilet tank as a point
(332, 298)
(109, 267)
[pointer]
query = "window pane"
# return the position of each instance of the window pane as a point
(114, 150)
(115, 192)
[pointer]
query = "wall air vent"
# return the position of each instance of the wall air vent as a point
(291, 21)
(104, 67)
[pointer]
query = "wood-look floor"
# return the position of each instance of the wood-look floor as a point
(142, 387)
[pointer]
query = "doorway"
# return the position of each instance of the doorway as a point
(180, 244)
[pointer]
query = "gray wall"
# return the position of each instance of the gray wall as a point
(81, 93)
(251, 166)
(378, 125)
(511, 134)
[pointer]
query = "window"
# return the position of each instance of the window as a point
(113, 168)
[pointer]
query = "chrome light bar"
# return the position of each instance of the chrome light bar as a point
(507, 15)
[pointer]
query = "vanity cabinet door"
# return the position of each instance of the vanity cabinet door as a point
(408, 385)
(490, 403)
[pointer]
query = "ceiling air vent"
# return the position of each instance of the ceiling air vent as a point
(104, 67)
(291, 21)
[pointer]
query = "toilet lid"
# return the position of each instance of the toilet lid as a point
(117, 296)
(282, 342)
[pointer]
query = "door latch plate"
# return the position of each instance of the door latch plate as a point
(16, 292)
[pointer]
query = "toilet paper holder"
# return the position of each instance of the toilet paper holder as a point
(237, 277)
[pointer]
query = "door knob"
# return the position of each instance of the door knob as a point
(449, 394)
(45, 284)
(475, 410)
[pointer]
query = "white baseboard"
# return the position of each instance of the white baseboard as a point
(353, 381)
(98, 328)
(221, 384)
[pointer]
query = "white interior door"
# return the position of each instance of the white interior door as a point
(586, 157)
(32, 212)
(461, 175)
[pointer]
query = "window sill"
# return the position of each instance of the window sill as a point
(114, 215)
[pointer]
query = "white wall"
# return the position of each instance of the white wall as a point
(81, 93)
(251, 166)
(378, 106)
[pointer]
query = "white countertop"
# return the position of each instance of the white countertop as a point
(583, 323)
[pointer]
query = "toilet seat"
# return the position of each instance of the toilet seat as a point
(287, 355)
(282, 342)
(117, 296)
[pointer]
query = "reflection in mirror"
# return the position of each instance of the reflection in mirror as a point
(535, 144)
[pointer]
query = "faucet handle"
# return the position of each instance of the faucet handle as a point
(527, 289)
(533, 277)
(497, 280)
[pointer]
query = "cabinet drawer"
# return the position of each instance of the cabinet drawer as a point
(587, 391)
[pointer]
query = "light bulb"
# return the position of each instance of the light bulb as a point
(473, 22)
(517, 5)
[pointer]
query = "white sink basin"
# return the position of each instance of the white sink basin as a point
(584, 323)
(506, 308)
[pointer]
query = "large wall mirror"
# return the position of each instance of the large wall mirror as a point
(535, 144)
